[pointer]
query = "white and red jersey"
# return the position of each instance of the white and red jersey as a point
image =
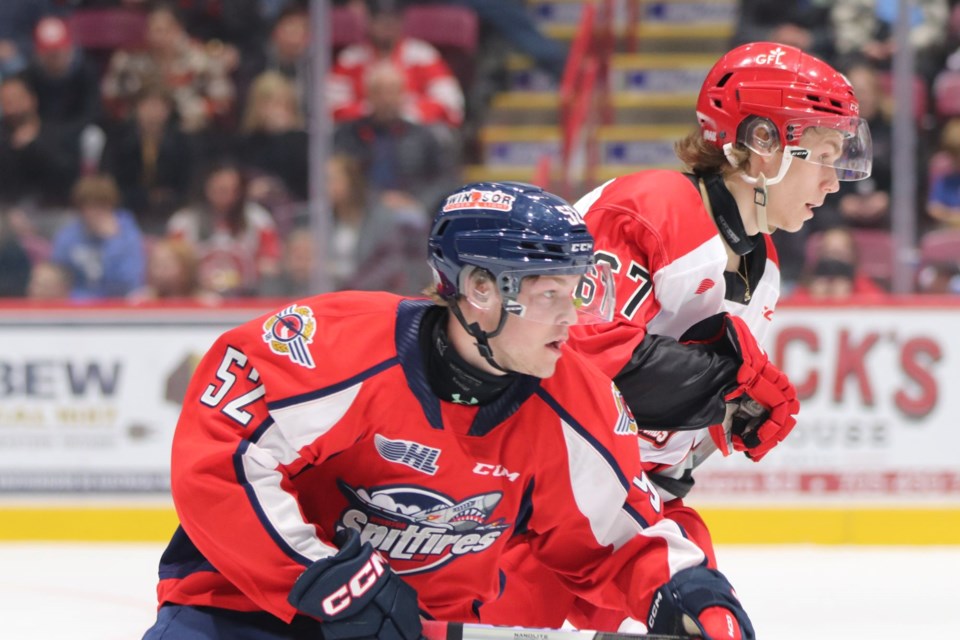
(669, 262)
(320, 416)
(434, 94)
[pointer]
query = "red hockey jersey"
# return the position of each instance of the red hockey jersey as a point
(320, 416)
(669, 264)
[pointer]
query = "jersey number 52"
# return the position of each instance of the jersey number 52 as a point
(216, 393)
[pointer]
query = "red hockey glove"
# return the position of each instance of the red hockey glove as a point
(701, 602)
(355, 594)
(755, 429)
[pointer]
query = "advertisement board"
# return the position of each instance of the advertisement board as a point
(880, 394)
(89, 399)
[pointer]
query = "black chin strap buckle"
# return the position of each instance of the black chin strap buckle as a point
(760, 196)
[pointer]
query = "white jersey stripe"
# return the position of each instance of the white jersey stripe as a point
(598, 492)
(298, 425)
(280, 508)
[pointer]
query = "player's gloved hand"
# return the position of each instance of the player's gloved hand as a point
(755, 430)
(355, 594)
(701, 602)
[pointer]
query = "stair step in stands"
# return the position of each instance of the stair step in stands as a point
(566, 13)
(646, 88)
(526, 108)
(623, 145)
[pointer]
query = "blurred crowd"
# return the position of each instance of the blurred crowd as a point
(155, 150)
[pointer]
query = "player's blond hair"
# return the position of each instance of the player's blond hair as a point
(700, 156)
(480, 275)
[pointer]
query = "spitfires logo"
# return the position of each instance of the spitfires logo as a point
(289, 332)
(477, 199)
(419, 530)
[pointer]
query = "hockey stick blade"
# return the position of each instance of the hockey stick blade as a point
(435, 630)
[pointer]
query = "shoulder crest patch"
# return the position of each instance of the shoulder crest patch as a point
(289, 332)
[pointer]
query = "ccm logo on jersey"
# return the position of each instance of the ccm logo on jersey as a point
(356, 586)
(770, 58)
(495, 470)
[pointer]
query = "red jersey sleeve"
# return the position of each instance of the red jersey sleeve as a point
(232, 463)
(596, 499)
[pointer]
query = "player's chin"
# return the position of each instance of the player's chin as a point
(546, 365)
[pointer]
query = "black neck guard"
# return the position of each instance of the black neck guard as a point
(726, 214)
(452, 378)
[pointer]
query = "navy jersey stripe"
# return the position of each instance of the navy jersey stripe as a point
(332, 389)
(586, 435)
(292, 553)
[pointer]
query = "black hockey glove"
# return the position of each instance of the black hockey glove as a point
(355, 594)
(699, 601)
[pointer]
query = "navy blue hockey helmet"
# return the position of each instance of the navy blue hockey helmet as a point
(515, 230)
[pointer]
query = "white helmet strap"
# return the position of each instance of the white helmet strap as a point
(761, 182)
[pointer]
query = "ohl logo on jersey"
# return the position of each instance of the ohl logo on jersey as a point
(289, 332)
(418, 529)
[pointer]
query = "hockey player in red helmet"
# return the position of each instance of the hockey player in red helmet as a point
(697, 283)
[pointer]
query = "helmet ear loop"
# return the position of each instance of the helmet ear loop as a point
(480, 300)
(765, 142)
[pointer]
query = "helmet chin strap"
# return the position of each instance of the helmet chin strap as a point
(760, 200)
(482, 337)
(760, 184)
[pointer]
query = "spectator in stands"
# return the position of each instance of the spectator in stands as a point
(151, 159)
(64, 80)
(297, 265)
(798, 23)
(198, 80)
(374, 244)
(38, 161)
(172, 273)
(287, 52)
(235, 28)
(49, 281)
(238, 247)
(273, 138)
(866, 28)
(14, 262)
(939, 278)
(17, 20)
(943, 203)
(431, 93)
(832, 273)
(102, 247)
(512, 20)
(402, 160)
(866, 203)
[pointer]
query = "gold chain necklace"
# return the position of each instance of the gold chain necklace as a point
(745, 276)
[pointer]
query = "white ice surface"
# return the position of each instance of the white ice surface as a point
(106, 591)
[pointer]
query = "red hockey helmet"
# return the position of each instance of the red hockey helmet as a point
(784, 92)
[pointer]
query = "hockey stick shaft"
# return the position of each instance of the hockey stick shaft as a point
(435, 630)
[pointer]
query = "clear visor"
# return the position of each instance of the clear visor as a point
(557, 297)
(831, 141)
